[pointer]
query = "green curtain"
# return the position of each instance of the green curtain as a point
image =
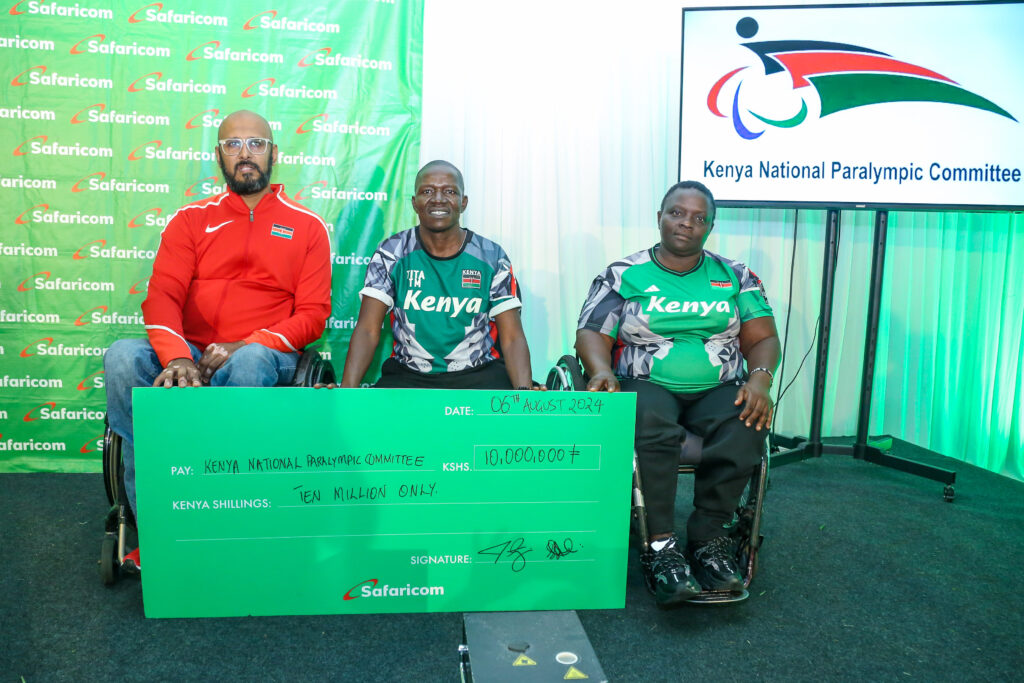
(950, 361)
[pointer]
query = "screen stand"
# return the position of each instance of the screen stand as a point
(798, 449)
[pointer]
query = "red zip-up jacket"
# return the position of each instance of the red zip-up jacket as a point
(224, 273)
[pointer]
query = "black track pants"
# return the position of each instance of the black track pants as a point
(730, 454)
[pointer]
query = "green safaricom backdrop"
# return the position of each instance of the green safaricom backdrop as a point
(108, 124)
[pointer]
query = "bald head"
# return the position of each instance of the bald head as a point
(244, 124)
(247, 166)
(441, 165)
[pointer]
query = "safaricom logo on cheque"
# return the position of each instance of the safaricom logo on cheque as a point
(369, 589)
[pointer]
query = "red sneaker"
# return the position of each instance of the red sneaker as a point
(133, 561)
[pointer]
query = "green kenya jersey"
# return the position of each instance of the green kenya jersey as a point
(442, 309)
(678, 330)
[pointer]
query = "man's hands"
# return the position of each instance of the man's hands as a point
(182, 372)
(603, 381)
(216, 355)
(758, 409)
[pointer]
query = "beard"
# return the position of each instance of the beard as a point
(251, 185)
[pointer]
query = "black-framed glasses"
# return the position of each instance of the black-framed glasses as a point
(257, 146)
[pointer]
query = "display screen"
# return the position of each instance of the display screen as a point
(882, 106)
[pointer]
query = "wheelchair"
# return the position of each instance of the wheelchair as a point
(311, 369)
(745, 531)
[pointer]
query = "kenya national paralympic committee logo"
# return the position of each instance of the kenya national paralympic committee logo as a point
(844, 77)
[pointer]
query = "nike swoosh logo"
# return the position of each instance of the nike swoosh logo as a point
(216, 227)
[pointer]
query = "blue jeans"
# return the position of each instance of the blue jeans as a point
(132, 363)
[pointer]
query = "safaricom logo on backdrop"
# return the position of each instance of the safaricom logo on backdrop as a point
(36, 75)
(154, 12)
(205, 188)
(44, 346)
(40, 213)
(322, 57)
(270, 20)
(34, 281)
(30, 382)
(302, 159)
(149, 218)
(19, 43)
(30, 114)
(28, 317)
(96, 44)
(153, 150)
(210, 118)
(48, 411)
(314, 124)
(26, 250)
(319, 190)
(99, 315)
(154, 82)
(21, 182)
(96, 113)
(93, 380)
(40, 145)
(99, 249)
(55, 9)
(266, 88)
(100, 184)
(31, 445)
(213, 50)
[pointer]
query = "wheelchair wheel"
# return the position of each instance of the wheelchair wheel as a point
(747, 531)
(312, 369)
(108, 561)
(324, 373)
(111, 463)
(567, 375)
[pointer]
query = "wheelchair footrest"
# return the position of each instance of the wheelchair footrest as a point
(529, 646)
(719, 597)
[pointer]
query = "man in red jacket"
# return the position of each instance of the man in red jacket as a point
(241, 282)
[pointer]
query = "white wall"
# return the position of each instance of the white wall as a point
(564, 119)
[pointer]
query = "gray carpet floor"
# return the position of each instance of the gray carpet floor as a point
(866, 575)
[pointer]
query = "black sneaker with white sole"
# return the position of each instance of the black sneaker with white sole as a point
(668, 575)
(714, 564)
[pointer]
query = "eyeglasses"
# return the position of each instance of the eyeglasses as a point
(257, 146)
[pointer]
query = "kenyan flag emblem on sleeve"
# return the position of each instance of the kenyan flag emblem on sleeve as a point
(470, 279)
(281, 231)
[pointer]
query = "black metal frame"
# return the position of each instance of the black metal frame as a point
(797, 449)
(567, 375)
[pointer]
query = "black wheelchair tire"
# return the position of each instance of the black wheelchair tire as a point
(572, 369)
(108, 561)
(111, 446)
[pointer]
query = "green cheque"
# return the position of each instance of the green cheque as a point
(301, 501)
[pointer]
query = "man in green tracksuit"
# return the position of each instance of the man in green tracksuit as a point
(452, 298)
